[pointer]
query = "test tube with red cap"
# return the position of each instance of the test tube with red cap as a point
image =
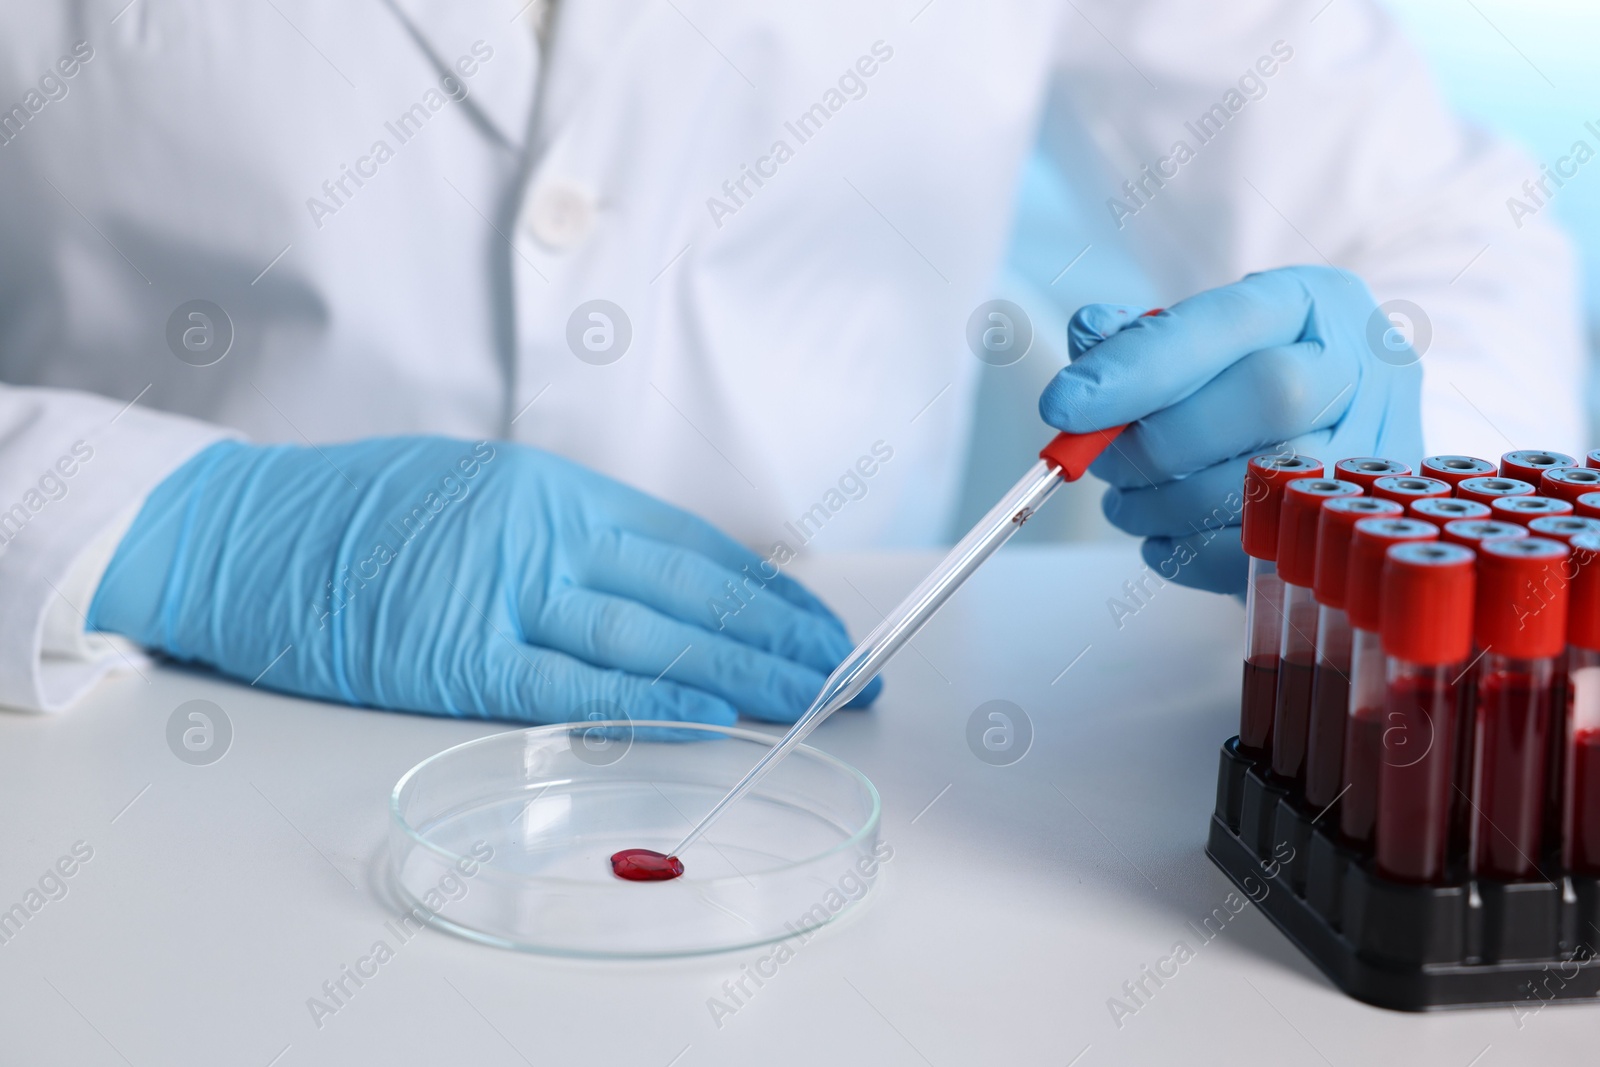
(1364, 470)
(1580, 831)
(1427, 636)
(1404, 488)
(1488, 490)
(1330, 681)
(1569, 483)
(1469, 533)
(1562, 528)
(1298, 524)
(1528, 464)
(1364, 725)
(1588, 505)
(1474, 534)
(1520, 623)
(1440, 510)
(1264, 481)
(1592, 459)
(1456, 469)
(1524, 509)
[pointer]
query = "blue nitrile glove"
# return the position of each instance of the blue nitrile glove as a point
(483, 580)
(1287, 359)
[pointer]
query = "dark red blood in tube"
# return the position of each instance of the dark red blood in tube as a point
(1330, 707)
(1362, 747)
(1416, 751)
(1259, 703)
(643, 865)
(1585, 766)
(1292, 718)
(1513, 724)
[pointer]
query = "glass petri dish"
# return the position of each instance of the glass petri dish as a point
(507, 840)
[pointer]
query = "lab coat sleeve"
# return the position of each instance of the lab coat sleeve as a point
(1346, 154)
(74, 469)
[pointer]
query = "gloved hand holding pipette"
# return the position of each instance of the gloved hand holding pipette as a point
(1279, 360)
(1168, 407)
(435, 575)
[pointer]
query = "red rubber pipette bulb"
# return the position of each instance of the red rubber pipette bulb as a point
(1072, 453)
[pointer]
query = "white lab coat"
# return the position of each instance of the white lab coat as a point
(780, 329)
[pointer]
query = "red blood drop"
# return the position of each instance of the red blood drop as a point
(643, 865)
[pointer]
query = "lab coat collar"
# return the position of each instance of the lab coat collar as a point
(502, 89)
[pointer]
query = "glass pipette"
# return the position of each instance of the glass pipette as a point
(1064, 459)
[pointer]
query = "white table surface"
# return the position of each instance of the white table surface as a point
(1015, 906)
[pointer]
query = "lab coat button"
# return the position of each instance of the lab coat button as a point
(561, 214)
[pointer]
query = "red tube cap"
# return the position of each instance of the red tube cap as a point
(1472, 532)
(1298, 523)
(1364, 572)
(1583, 604)
(1528, 463)
(1404, 488)
(1569, 483)
(1588, 505)
(1264, 480)
(1336, 525)
(1521, 606)
(1427, 603)
(1562, 528)
(1456, 469)
(1488, 490)
(1524, 509)
(1592, 459)
(1072, 453)
(1442, 509)
(1364, 470)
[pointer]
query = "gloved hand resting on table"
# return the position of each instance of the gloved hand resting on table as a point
(482, 580)
(1278, 361)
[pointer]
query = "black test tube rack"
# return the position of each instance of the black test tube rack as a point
(1468, 943)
